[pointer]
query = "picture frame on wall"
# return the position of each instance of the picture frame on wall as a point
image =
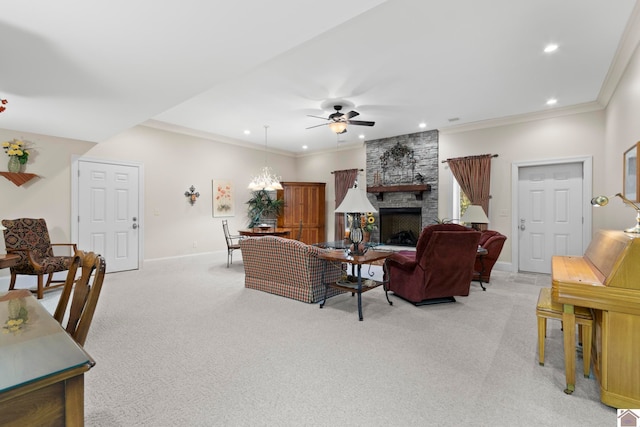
(630, 176)
(223, 198)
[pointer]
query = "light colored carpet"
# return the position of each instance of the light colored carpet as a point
(183, 343)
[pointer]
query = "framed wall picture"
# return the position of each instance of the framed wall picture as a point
(630, 173)
(222, 198)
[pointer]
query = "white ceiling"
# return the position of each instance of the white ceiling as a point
(91, 69)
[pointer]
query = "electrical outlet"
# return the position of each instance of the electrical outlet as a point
(156, 212)
(195, 244)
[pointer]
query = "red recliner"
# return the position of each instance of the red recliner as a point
(441, 268)
(492, 241)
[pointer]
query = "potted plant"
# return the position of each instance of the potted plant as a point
(262, 205)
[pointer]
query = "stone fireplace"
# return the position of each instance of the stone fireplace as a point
(400, 226)
(402, 184)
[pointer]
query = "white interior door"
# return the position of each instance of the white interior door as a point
(108, 217)
(550, 214)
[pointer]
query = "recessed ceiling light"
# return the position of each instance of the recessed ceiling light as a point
(552, 47)
(247, 132)
(304, 147)
(361, 136)
(552, 101)
(422, 125)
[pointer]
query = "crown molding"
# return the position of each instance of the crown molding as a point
(169, 127)
(523, 118)
(626, 48)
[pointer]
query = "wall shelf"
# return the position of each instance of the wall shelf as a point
(18, 178)
(417, 189)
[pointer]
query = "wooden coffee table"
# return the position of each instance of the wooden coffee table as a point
(354, 283)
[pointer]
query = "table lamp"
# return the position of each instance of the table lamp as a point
(604, 200)
(354, 204)
(474, 215)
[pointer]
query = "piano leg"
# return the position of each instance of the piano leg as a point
(569, 335)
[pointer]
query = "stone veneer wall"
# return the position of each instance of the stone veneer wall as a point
(425, 147)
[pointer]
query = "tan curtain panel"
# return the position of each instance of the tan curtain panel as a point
(473, 174)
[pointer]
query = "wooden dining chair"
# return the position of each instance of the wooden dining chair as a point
(84, 298)
(232, 242)
(299, 235)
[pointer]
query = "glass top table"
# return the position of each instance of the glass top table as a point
(33, 345)
(343, 244)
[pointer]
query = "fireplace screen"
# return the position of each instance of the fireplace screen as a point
(400, 226)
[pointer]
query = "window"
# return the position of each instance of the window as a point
(460, 202)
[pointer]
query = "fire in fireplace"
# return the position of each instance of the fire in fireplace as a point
(400, 226)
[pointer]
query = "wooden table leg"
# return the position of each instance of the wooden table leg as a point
(569, 328)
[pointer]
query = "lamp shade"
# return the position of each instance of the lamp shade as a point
(474, 215)
(355, 201)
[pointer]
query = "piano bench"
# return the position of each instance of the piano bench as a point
(549, 309)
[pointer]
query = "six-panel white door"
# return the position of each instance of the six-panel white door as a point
(549, 214)
(108, 218)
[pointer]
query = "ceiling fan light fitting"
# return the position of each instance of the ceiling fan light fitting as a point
(338, 127)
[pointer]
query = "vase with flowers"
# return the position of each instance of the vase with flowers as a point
(368, 224)
(18, 154)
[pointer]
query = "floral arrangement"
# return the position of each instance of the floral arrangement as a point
(3, 102)
(368, 222)
(16, 148)
(18, 317)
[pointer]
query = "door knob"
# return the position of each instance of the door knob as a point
(134, 226)
(522, 227)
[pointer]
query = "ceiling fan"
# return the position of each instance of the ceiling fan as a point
(338, 121)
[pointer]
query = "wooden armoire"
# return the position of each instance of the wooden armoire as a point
(303, 201)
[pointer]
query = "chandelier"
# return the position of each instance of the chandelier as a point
(266, 179)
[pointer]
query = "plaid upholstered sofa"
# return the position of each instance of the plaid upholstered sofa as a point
(286, 267)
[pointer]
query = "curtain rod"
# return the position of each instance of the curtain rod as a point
(359, 170)
(492, 155)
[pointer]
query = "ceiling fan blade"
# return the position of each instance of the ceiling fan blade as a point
(323, 124)
(351, 114)
(317, 117)
(360, 122)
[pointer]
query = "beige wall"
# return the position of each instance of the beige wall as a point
(172, 162)
(622, 131)
(569, 136)
(318, 168)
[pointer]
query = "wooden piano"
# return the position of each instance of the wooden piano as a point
(606, 279)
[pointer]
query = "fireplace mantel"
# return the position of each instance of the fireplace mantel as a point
(417, 189)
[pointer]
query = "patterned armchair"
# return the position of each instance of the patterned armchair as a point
(29, 238)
